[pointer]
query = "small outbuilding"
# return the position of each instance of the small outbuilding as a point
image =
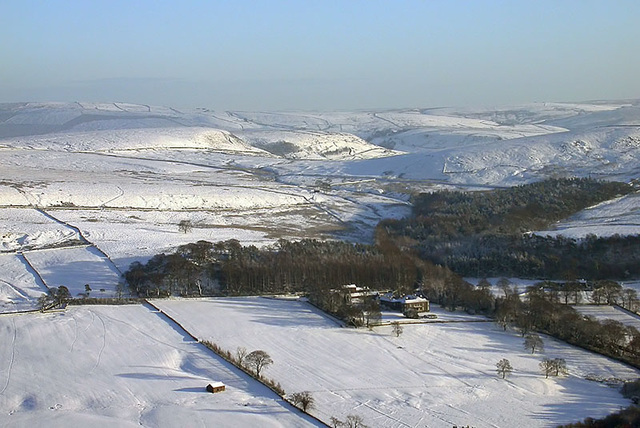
(214, 387)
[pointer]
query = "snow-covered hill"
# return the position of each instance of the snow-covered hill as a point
(126, 127)
(314, 173)
(88, 188)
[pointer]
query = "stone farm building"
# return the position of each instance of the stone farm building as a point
(420, 304)
(214, 387)
(352, 294)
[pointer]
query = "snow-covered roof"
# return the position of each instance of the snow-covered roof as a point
(388, 297)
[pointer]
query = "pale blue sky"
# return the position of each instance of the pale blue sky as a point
(319, 54)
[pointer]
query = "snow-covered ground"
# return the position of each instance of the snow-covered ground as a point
(129, 236)
(603, 312)
(75, 268)
(619, 216)
(25, 228)
(108, 366)
(19, 286)
(435, 375)
(88, 188)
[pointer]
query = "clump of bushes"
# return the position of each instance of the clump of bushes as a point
(631, 390)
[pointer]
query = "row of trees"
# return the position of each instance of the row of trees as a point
(253, 363)
(308, 266)
(320, 268)
(601, 292)
(516, 209)
(629, 417)
(305, 401)
(257, 361)
(549, 366)
(54, 298)
(535, 256)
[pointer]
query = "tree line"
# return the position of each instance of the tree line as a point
(307, 266)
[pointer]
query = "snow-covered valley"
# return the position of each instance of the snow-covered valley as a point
(88, 188)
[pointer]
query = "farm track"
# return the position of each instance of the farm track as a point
(75, 332)
(13, 355)
(104, 343)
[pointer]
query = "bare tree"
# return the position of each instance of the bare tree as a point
(484, 284)
(533, 342)
(185, 226)
(505, 285)
(335, 422)
(120, 287)
(258, 360)
(352, 421)
(546, 366)
(397, 328)
(55, 297)
(62, 295)
(45, 301)
(241, 355)
(560, 366)
(504, 367)
(371, 312)
(629, 298)
(607, 291)
(554, 367)
(303, 400)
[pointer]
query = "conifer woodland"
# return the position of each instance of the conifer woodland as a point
(490, 233)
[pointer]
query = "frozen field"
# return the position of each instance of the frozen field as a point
(19, 286)
(122, 366)
(435, 375)
(74, 268)
(602, 312)
(27, 228)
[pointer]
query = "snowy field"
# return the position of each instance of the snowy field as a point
(25, 228)
(435, 375)
(127, 366)
(603, 312)
(74, 268)
(19, 286)
(620, 216)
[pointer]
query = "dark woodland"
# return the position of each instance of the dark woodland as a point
(489, 233)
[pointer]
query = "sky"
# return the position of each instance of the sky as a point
(319, 54)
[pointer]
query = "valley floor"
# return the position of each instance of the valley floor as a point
(438, 375)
